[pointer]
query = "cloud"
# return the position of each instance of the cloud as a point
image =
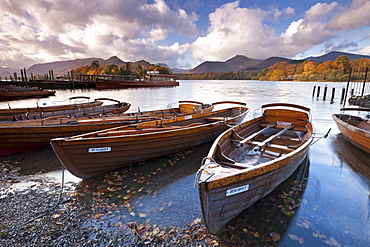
(365, 50)
(235, 30)
(345, 45)
(355, 16)
(50, 30)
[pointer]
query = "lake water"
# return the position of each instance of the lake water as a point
(330, 208)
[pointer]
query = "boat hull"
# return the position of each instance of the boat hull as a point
(220, 209)
(358, 135)
(235, 174)
(28, 135)
(16, 92)
(86, 156)
(113, 84)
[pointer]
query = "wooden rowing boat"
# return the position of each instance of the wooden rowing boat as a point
(75, 108)
(26, 135)
(354, 128)
(98, 152)
(10, 92)
(247, 162)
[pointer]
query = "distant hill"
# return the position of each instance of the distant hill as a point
(331, 56)
(5, 72)
(236, 63)
(242, 63)
(273, 60)
(63, 67)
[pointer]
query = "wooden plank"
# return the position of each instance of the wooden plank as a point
(286, 148)
(249, 138)
(265, 142)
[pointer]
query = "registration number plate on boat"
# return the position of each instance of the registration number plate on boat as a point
(100, 150)
(237, 190)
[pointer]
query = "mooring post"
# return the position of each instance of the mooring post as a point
(332, 95)
(313, 91)
(22, 78)
(318, 91)
(363, 87)
(325, 91)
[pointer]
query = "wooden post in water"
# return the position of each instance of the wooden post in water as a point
(318, 91)
(313, 91)
(363, 87)
(51, 78)
(72, 82)
(25, 76)
(332, 95)
(325, 91)
(52, 75)
(22, 78)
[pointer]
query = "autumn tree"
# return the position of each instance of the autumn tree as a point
(343, 63)
(140, 70)
(110, 69)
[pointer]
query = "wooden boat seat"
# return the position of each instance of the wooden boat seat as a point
(236, 138)
(215, 119)
(296, 128)
(273, 146)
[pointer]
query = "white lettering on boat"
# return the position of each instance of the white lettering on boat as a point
(100, 150)
(237, 190)
(188, 117)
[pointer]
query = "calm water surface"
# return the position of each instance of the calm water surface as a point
(334, 207)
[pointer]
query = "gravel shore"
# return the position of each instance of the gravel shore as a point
(35, 213)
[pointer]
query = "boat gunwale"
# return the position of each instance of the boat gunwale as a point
(92, 138)
(271, 164)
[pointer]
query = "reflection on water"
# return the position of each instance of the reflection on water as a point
(266, 222)
(352, 156)
(334, 207)
(154, 192)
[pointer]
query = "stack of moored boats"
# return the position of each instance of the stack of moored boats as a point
(246, 162)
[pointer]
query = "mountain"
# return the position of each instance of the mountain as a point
(6, 72)
(273, 60)
(236, 63)
(63, 67)
(242, 63)
(331, 56)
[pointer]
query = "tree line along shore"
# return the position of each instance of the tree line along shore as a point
(308, 70)
(337, 70)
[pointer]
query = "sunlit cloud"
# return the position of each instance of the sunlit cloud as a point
(38, 31)
(89, 28)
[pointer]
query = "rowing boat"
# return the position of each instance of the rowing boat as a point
(98, 152)
(75, 108)
(19, 136)
(247, 162)
(11, 92)
(354, 128)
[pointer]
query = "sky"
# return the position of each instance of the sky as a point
(179, 33)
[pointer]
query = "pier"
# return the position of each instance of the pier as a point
(357, 89)
(49, 81)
